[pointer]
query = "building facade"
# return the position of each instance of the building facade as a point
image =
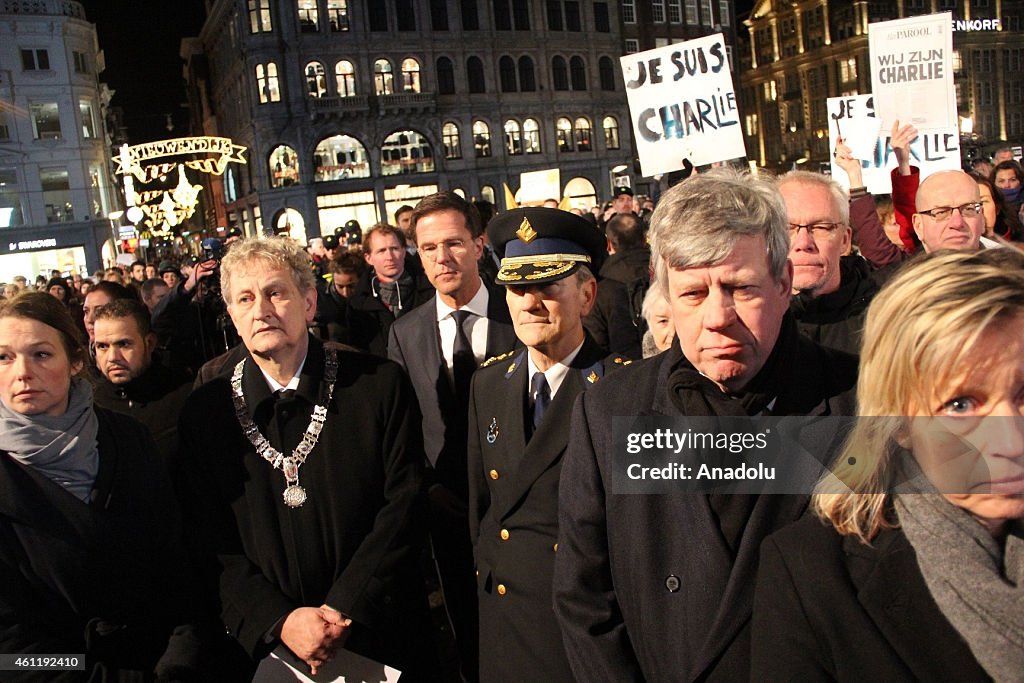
(795, 54)
(353, 108)
(55, 171)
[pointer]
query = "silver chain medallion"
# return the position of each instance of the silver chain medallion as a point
(294, 495)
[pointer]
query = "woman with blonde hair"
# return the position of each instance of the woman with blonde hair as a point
(912, 567)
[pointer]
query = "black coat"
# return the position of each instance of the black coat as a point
(836, 320)
(352, 545)
(829, 608)
(109, 578)
(369, 320)
(514, 493)
(646, 587)
(155, 399)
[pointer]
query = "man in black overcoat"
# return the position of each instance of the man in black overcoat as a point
(314, 548)
(519, 409)
(440, 346)
(660, 587)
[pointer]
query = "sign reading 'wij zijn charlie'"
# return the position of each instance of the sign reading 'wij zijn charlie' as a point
(682, 105)
(912, 71)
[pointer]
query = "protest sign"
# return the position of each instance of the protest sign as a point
(853, 119)
(912, 71)
(682, 105)
(536, 186)
(934, 150)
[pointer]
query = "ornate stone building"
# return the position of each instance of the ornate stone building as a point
(352, 108)
(795, 54)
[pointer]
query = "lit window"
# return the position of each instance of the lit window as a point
(339, 157)
(383, 77)
(308, 16)
(88, 123)
(266, 83)
(406, 151)
(563, 134)
(513, 138)
(451, 140)
(259, 16)
(581, 132)
(316, 80)
(337, 15)
(45, 121)
(284, 166)
(531, 136)
(481, 139)
(410, 75)
(611, 132)
(345, 78)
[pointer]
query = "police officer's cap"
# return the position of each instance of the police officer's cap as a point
(167, 267)
(623, 189)
(539, 245)
(234, 232)
(330, 242)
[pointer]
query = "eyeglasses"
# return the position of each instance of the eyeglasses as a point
(430, 251)
(816, 229)
(942, 213)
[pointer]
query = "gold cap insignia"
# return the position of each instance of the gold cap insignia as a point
(526, 232)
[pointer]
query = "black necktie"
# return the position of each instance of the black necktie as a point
(539, 388)
(284, 394)
(463, 360)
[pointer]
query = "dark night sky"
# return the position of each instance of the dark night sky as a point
(141, 40)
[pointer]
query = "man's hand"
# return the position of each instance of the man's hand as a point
(846, 161)
(900, 138)
(200, 272)
(315, 633)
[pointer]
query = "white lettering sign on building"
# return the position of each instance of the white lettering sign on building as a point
(682, 105)
(912, 71)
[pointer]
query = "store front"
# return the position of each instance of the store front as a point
(37, 250)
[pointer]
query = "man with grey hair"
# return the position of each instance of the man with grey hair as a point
(306, 522)
(831, 291)
(661, 587)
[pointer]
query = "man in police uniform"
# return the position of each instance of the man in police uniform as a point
(519, 409)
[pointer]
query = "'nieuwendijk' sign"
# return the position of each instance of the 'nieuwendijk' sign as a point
(682, 104)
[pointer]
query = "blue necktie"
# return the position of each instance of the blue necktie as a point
(539, 388)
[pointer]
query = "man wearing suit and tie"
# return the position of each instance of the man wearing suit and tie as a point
(440, 346)
(519, 428)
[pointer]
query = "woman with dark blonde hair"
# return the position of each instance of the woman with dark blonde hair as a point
(91, 560)
(912, 567)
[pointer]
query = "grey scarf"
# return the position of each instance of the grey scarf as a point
(60, 447)
(976, 582)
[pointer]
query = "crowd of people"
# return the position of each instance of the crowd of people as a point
(406, 447)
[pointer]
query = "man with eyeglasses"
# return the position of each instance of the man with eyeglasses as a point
(440, 346)
(831, 290)
(949, 213)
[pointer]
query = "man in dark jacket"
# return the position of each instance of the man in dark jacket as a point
(831, 292)
(303, 475)
(660, 587)
(134, 381)
(613, 323)
(394, 285)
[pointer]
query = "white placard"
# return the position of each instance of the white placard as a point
(682, 105)
(932, 151)
(912, 71)
(538, 186)
(853, 118)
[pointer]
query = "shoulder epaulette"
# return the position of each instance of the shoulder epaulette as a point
(494, 359)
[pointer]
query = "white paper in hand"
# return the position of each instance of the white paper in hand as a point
(345, 667)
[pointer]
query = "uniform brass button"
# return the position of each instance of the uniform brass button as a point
(504, 534)
(494, 474)
(672, 583)
(501, 589)
(556, 547)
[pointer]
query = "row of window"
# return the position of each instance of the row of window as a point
(672, 12)
(333, 15)
(45, 118)
(513, 75)
(38, 59)
(343, 156)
